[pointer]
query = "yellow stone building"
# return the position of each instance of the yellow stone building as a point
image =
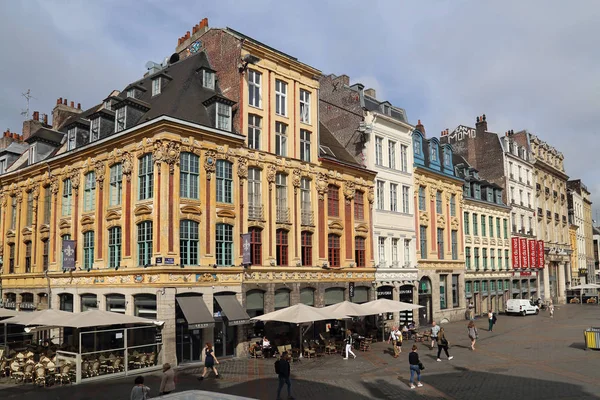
(439, 227)
(184, 207)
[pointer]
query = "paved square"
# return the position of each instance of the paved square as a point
(531, 357)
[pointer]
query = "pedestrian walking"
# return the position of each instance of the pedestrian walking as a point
(209, 362)
(415, 367)
(443, 344)
(349, 344)
(139, 391)
(396, 339)
(435, 330)
(167, 384)
(551, 309)
(490, 321)
(472, 329)
(283, 371)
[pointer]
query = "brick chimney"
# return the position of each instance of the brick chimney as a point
(62, 112)
(189, 38)
(371, 93)
(481, 125)
(420, 128)
(31, 126)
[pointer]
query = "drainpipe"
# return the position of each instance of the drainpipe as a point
(46, 272)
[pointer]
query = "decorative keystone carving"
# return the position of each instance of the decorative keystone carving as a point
(271, 172)
(75, 180)
(54, 185)
(100, 171)
(371, 195)
(322, 183)
(242, 167)
(296, 179)
(349, 190)
(210, 162)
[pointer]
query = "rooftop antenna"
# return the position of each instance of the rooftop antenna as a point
(28, 97)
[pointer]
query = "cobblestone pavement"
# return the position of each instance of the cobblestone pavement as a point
(532, 357)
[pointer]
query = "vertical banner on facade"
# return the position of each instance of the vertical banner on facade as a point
(540, 251)
(516, 260)
(246, 259)
(524, 255)
(533, 259)
(68, 250)
(351, 289)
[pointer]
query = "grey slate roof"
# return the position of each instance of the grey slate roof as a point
(330, 148)
(14, 148)
(46, 135)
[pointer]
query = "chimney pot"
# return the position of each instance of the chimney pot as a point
(72, 104)
(45, 118)
(79, 106)
(36, 115)
(65, 102)
(59, 101)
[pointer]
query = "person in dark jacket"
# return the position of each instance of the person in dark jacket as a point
(283, 371)
(443, 345)
(413, 361)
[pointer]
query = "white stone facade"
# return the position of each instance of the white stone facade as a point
(578, 219)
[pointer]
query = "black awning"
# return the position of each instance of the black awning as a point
(196, 313)
(233, 310)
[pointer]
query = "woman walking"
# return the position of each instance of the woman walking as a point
(415, 367)
(490, 320)
(167, 384)
(349, 343)
(443, 345)
(472, 329)
(209, 362)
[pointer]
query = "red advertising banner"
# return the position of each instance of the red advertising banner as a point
(516, 260)
(540, 251)
(533, 259)
(524, 256)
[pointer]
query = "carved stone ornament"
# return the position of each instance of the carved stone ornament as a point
(75, 179)
(54, 185)
(349, 190)
(371, 195)
(171, 155)
(296, 178)
(271, 172)
(19, 196)
(100, 172)
(242, 167)
(3, 199)
(127, 165)
(321, 185)
(424, 219)
(210, 162)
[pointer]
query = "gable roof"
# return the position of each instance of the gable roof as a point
(331, 148)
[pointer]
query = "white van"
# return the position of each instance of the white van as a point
(521, 306)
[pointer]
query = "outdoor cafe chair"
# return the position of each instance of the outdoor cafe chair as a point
(280, 349)
(85, 369)
(95, 371)
(141, 362)
(151, 361)
(40, 374)
(365, 345)
(15, 371)
(28, 373)
(4, 368)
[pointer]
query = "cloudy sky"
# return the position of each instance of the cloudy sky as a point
(525, 64)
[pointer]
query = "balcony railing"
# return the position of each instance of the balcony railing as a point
(283, 214)
(256, 212)
(307, 217)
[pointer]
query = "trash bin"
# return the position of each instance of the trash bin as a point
(592, 338)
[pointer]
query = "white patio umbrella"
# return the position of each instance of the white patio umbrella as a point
(48, 317)
(381, 306)
(345, 309)
(582, 287)
(6, 313)
(91, 318)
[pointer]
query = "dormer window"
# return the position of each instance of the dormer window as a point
(32, 150)
(95, 129)
(446, 158)
(108, 105)
(208, 79)
(131, 93)
(2, 166)
(120, 119)
(223, 117)
(71, 133)
(156, 86)
(433, 151)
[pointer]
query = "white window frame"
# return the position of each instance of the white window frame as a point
(304, 106)
(189, 176)
(392, 154)
(32, 151)
(89, 192)
(71, 138)
(254, 131)
(405, 199)
(156, 86)
(404, 158)
(395, 242)
(407, 251)
(381, 248)
(115, 189)
(305, 202)
(88, 249)
(131, 93)
(378, 151)
(380, 195)
(66, 197)
(305, 145)
(94, 129)
(120, 119)
(254, 86)
(281, 139)
(281, 194)
(254, 191)
(208, 79)
(223, 116)
(394, 197)
(281, 98)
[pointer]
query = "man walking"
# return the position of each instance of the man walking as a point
(282, 368)
(394, 339)
(435, 330)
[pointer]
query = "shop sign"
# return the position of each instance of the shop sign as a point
(524, 255)
(169, 261)
(351, 289)
(444, 271)
(158, 260)
(533, 259)
(525, 273)
(515, 253)
(158, 337)
(540, 249)
(200, 326)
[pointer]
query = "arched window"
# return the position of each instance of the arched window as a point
(224, 181)
(307, 296)
(306, 245)
(334, 250)
(115, 303)
(360, 251)
(224, 242)
(282, 299)
(255, 303)
(144, 240)
(282, 247)
(188, 242)
(144, 305)
(146, 177)
(89, 301)
(189, 175)
(10, 300)
(256, 246)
